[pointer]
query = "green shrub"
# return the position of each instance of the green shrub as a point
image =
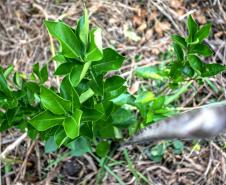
(91, 108)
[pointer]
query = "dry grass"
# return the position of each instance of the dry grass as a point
(24, 41)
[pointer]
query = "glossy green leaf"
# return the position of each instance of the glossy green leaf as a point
(145, 97)
(54, 103)
(72, 124)
(149, 117)
(103, 129)
(102, 148)
(195, 63)
(86, 130)
(123, 99)
(32, 132)
(71, 46)
(46, 120)
(69, 93)
(113, 83)
(95, 51)
(3, 84)
(60, 136)
(36, 70)
(151, 72)
(110, 61)
(78, 73)
(176, 69)
(212, 69)
(4, 125)
(203, 32)
(123, 118)
(32, 89)
(179, 40)
(83, 86)
(188, 70)
(158, 103)
(64, 68)
(41, 74)
(44, 135)
(96, 84)
(201, 49)
(86, 95)
(115, 93)
(91, 115)
(108, 108)
(179, 52)
(8, 102)
(83, 28)
(161, 114)
(8, 70)
(11, 115)
(99, 107)
(192, 28)
(17, 80)
(44, 74)
(60, 58)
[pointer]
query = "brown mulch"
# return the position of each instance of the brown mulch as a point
(24, 41)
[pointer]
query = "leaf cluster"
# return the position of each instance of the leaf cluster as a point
(190, 52)
(91, 107)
